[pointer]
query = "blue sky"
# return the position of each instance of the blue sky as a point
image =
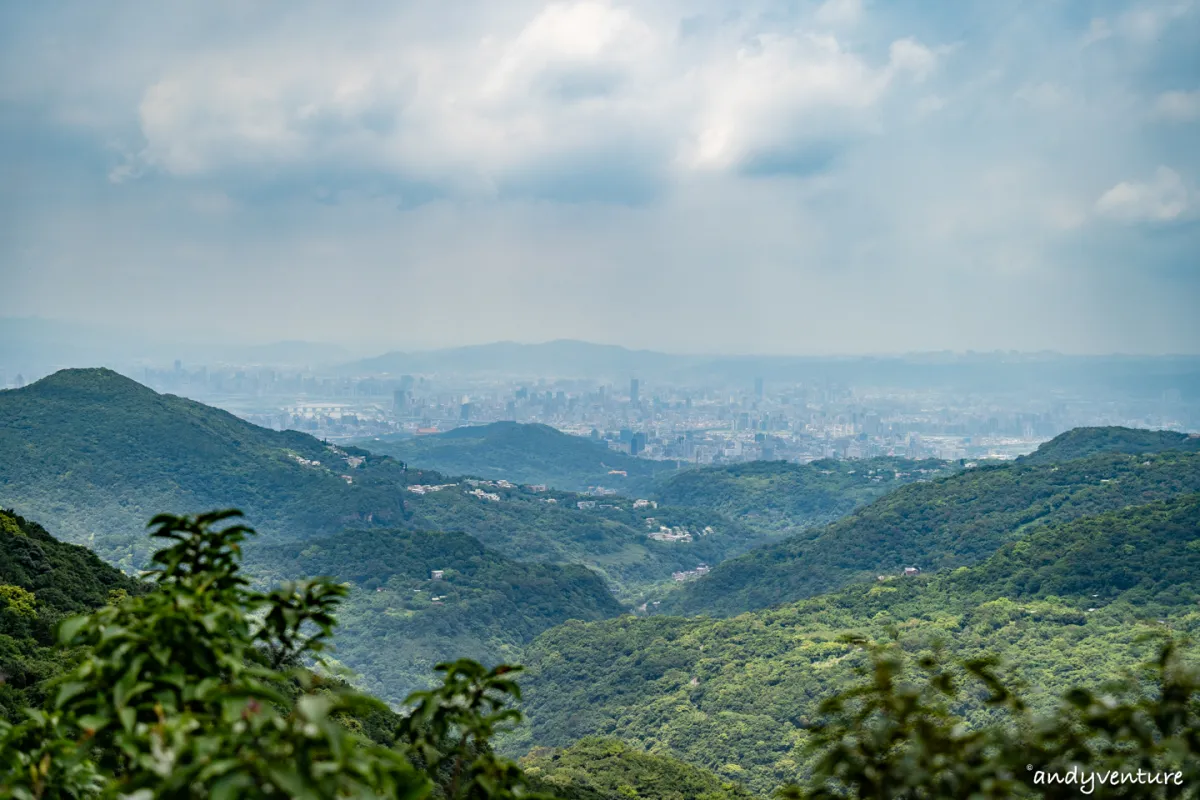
(774, 177)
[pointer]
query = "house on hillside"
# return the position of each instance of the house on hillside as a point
(910, 571)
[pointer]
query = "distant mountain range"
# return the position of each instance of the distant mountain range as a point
(992, 372)
(561, 358)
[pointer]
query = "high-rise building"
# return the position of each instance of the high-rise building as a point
(758, 388)
(400, 401)
(465, 413)
(637, 443)
(633, 391)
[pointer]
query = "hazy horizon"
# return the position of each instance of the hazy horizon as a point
(120, 343)
(840, 177)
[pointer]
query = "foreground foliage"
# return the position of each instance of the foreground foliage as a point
(197, 689)
(43, 581)
(889, 737)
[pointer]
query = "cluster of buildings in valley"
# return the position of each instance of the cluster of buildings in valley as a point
(690, 574)
(720, 422)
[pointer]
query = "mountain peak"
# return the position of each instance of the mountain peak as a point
(91, 380)
(1084, 442)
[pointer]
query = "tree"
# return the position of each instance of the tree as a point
(892, 737)
(198, 689)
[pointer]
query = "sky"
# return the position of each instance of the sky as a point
(748, 176)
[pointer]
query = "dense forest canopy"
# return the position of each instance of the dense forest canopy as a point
(418, 599)
(204, 674)
(43, 581)
(94, 454)
(1072, 604)
(782, 496)
(948, 522)
(1084, 442)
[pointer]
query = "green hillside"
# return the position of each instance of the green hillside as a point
(398, 622)
(780, 495)
(1069, 604)
(609, 769)
(1084, 442)
(42, 581)
(949, 522)
(94, 455)
(608, 534)
(531, 454)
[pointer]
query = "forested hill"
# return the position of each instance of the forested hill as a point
(1084, 442)
(401, 619)
(781, 495)
(94, 455)
(949, 522)
(520, 453)
(1071, 604)
(612, 535)
(42, 580)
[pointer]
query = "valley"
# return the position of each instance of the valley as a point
(687, 633)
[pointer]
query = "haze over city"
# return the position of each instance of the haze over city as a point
(758, 177)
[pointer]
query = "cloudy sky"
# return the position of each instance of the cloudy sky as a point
(737, 176)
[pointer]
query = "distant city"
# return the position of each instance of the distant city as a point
(717, 420)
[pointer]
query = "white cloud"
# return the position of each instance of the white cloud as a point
(779, 156)
(1179, 106)
(570, 81)
(789, 91)
(1161, 199)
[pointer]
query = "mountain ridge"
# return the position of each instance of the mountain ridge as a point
(950, 521)
(1083, 442)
